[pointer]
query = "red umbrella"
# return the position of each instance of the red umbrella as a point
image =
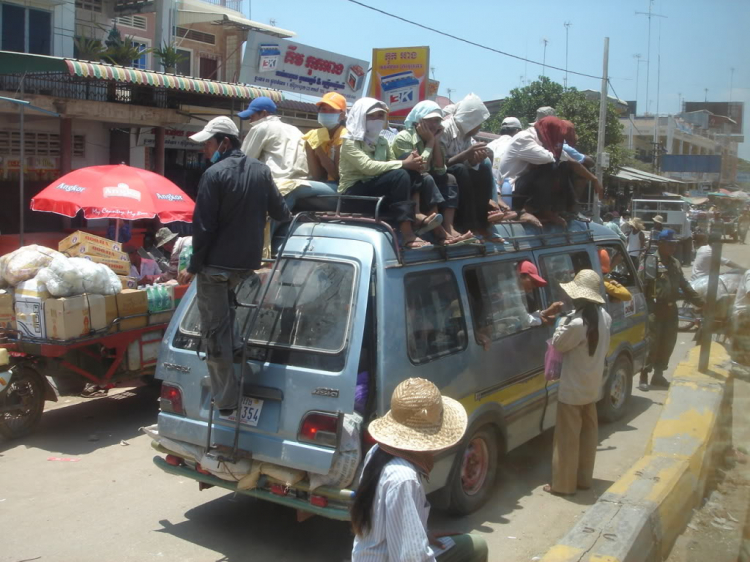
(115, 192)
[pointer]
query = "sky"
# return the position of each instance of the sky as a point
(701, 40)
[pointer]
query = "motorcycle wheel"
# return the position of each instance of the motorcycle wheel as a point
(26, 393)
(688, 321)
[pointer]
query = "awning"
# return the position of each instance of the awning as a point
(193, 11)
(20, 63)
(633, 174)
(171, 81)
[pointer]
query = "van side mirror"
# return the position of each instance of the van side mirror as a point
(650, 266)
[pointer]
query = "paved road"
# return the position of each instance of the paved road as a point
(113, 504)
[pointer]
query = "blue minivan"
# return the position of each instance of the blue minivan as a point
(348, 314)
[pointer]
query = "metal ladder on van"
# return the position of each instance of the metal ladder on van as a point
(212, 450)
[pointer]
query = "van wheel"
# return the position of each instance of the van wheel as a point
(24, 402)
(475, 472)
(617, 391)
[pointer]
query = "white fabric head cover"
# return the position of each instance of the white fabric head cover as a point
(357, 117)
(470, 112)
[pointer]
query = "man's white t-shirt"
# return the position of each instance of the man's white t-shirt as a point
(702, 263)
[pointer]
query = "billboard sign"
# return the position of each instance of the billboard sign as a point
(400, 78)
(285, 65)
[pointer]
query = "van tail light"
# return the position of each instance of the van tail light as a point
(319, 428)
(175, 460)
(171, 399)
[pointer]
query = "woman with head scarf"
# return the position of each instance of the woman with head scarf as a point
(469, 162)
(421, 133)
(368, 167)
(390, 510)
(582, 338)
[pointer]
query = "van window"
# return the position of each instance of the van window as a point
(621, 268)
(435, 324)
(562, 268)
(307, 306)
(498, 304)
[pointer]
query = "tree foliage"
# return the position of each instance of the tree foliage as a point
(572, 105)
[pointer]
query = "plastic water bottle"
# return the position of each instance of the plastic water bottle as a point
(150, 297)
(163, 298)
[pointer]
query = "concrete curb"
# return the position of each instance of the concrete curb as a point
(642, 514)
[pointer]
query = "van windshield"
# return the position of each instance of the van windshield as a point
(307, 306)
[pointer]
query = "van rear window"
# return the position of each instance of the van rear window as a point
(307, 308)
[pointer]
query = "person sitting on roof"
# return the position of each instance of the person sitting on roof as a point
(509, 128)
(539, 171)
(368, 167)
(279, 146)
(470, 163)
(587, 161)
(323, 148)
(422, 132)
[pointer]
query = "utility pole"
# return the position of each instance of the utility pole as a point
(705, 99)
(602, 129)
(650, 15)
(450, 91)
(567, 25)
(679, 102)
(731, 83)
(638, 62)
(544, 60)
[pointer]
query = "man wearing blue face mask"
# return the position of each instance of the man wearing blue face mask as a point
(234, 196)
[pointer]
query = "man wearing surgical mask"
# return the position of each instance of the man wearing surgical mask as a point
(234, 196)
(323, 145)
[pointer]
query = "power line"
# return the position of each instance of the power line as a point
(485, 47)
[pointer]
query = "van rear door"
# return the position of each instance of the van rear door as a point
(304, 354)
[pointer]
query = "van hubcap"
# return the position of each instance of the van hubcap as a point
(475, 466)
(619, 383)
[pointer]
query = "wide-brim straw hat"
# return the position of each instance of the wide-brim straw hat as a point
(420, 419)
(585, 286)
(659, 219)
(638, 224)
(164, 236)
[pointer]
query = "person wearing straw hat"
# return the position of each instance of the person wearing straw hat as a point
(390, 510)
(583, 339)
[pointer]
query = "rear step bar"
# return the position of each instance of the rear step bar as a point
(294, 503)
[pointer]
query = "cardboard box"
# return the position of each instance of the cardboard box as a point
(119, 267)
(110, 312)
(7, 311)
(74, 317)
(130, 302)
(79, 237)
(128, 282)
(29, 298)
(91, 249)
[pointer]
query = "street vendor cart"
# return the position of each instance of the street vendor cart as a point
(33, 371)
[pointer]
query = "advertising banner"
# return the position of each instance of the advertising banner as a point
(400, 78)
(285, 65)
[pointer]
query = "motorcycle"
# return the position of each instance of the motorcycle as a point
(691, 317)
(22, 394)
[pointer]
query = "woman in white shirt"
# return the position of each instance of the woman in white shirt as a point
(583, 339)
(390, 510)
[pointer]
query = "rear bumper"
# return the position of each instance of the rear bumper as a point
(339, 513)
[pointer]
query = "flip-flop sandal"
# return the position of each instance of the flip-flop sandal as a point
(460, 237)
(426, 225)
(416, 245)
(491, 239)
(465, 242)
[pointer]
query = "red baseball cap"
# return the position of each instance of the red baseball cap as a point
(530, 269)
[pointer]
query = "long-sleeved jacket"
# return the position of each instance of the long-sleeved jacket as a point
(663, 292)
(358, 162)
(234, 196)
(408, 140)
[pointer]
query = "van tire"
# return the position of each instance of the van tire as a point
(471, 485)
(617, 391)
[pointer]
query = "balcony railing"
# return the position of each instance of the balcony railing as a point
(235, 5)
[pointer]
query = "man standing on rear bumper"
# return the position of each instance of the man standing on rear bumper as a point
(234, 196)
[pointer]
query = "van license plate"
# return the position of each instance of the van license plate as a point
(249, 412)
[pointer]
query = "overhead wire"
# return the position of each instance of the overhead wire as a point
(630, 118)
(469, 42)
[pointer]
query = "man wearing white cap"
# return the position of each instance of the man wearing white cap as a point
(509, 128)
(234, 196)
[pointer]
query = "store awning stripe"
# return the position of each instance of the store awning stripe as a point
(158, 79)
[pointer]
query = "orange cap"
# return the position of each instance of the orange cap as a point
(336, 101)
(604, 260)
